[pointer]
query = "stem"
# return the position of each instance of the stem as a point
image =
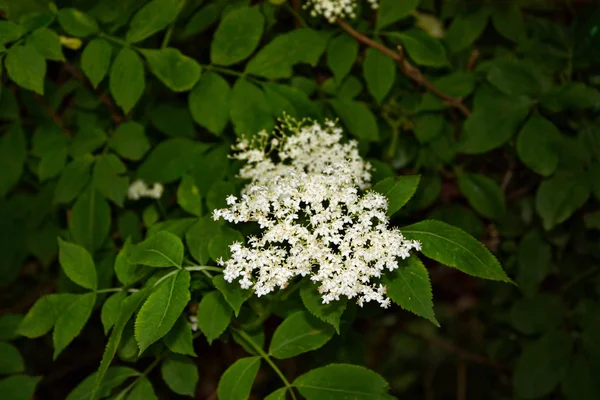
(264, 355)
(165, 277)
(296, 15)
(203, 268)
(143, 374)
(114, 39)
(222, 70)
(121, 289)
(169, 33)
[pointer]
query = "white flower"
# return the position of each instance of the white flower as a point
(139, 189)
(314, 220)
(333, 10)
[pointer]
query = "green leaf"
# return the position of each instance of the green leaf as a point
(359, 120)
(188, 196)
(103, 378)
(173, 119)
(455, 248)
(142, 390)
(422, 48)
(391, 11)
(9, 325)
(249, 117)
(299, 333)
(542, 365)
(535, 145)
(11, 361)
(115, 376)
(341, 54)
(219, 246)
(9, 31)
(73, 178)
(232, 292)
(559, 197)
(77, 264)
(177, 227)
(379, 71)
(162, 309)
(95, 60)
(237, 36)
(409, 287)
(71, 320)
(108, 178)
(570, 96)
(202, 19)
(52, 163)
(579, 382)
(77, 23)
(534, 257)
(538, 314)
(162, 249)
(514, 77)
(180, 374)
(110, 310)
(126, 81)
(483, 194)
(126, 272)
(428, 127)
(509, 21)
(209, 102)
(198, 237)
(90, 220)
(42, 316)
(214, 315)
(493, 122)
(47, 43)
(276, 59)
(279, 394)
(179, 339)
(151, 18)
(177, 71)
(236, 382)
(129, 140)
(330, 313)
(169, 160)
(466, 28)
(342, 381)
(12, 157)
(18, 387)
(398, 190)
(26, 67)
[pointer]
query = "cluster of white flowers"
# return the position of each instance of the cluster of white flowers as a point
(333, 10)
(305, 195)
(139, 189)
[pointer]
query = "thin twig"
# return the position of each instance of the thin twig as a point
(472, 60)
(114, 112)
(53, 114)
(407, 68)
(461, 381)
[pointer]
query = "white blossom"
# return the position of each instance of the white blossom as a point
(139, 189)
(332, 10)
(305, 195)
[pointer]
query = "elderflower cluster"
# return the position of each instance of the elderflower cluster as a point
(333, 10)
(305, 196)
(139, 189)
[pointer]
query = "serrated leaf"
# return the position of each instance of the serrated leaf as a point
(47, 43)
(379, 71)
(108, 178)
(483, 194)
(142, 390)
(398, 190)
(535, 145)
(26, 67)
(42, 316)
(236, 381)
(428, 127)
(455, 248)
(542, 365)
(188, 196)
(198, 237)
(410, 288)
(71, 320)
(209, 102)
(514, 77)
(232, 292)
(337, 381)
(162, 309)
(151, 18)
(299, 333)
(359, 120)
(162, 249)
(72, 179)
(126, 80)
(77, 23)
(115, 376)
(422, 48)
(214, 315)
(169, 160)
(330, 313)
(279, 394)
(11, 361)
(95, 60)
(341, 54)
(177, 71)
(110, 310)
(179, 339)
(391, 11)
(249, 117)
(90, 220)
(180, 374)
(559, 197)
(237, 36)
(19, 387)
(466, 28)
(219, 245)
(77, 264)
